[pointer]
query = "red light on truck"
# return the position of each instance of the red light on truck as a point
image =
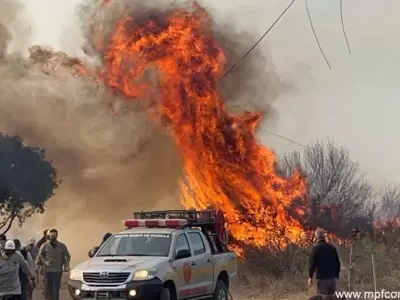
(155, 223)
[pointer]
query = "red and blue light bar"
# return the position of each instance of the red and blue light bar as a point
(155, 223)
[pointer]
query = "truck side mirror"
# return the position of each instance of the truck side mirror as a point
(92, 252)
(183, 253)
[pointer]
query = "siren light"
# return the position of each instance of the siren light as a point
(155, 223)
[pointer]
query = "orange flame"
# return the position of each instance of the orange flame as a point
(225, 166)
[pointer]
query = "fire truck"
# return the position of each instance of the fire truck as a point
(161, 255)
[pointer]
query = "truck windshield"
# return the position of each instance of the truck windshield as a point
(136, 244)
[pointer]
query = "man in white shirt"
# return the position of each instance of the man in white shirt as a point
(11, 261)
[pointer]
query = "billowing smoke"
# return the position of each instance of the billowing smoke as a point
(110, 159)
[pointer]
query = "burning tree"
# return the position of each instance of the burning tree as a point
(224, 163)
(390, 204)
(339, 196)
(27, 181)
(387, 223)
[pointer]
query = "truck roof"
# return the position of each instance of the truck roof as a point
(211, 223)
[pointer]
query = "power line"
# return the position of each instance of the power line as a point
(256, 44)
(343, 27)
(246, 54)
(284, 138)
(261, 38)
(315, 35)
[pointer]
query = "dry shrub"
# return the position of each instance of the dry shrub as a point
(277, 274)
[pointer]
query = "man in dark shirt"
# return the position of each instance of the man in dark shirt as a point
(324, 261)
(55, 258)
(93, 251)
(44, 239)
(3, 240)
(23, 278)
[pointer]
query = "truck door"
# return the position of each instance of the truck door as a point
(183, 268)
(203, 264)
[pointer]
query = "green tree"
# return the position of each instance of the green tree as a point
(27, 181)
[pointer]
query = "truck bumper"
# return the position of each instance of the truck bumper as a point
(143, 290)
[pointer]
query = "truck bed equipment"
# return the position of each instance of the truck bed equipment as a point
(211, 222)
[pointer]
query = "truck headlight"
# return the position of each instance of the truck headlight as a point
(76, 275)
(145, 274)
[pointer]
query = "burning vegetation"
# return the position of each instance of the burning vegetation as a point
(225, 166)
(170, 63)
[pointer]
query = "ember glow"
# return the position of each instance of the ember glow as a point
(225, 165)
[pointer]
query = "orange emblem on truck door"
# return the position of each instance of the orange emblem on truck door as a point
(187, 272)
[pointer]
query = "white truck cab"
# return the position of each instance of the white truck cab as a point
(159, 259)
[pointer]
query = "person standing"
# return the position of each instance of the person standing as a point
(11, 261)
(105, 238)
(55, 258)
(32, 248)
(3, 240)
(43, 239)
(33, 251)
(23, 277)
(94, 250)
(325, 263)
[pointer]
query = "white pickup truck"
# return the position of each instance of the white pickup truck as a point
(157, 259)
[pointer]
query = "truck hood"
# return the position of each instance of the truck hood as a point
(121, 263)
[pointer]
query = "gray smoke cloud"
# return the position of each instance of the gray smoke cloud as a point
(110, 159)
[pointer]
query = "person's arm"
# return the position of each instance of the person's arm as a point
(337, 263)
(312, 263)
(29, 259)
(25, 266)
(67, 256)
(41, 257)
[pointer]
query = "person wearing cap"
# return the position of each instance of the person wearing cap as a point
(33, 250)
(325, 263)
(11, 261)
(31, 247)
(55, 258)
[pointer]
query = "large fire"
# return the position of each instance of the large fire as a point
(225, 165)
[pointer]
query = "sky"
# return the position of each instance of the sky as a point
(355, 103)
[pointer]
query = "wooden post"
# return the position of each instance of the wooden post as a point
(373, 274)
(355, 237)
(350, 268)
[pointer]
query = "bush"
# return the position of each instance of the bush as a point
(341, 201)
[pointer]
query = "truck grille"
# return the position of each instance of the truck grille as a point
(104, 295)
(104, 278)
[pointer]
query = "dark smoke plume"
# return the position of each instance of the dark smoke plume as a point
(110, 159)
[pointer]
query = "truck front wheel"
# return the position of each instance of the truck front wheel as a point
(221, 291)
(165, 294)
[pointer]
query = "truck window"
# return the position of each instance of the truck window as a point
(181, 243)
(197, 242)
(136, 244)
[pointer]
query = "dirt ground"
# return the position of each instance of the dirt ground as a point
(237, 294)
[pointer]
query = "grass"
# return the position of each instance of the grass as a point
(283, 275)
